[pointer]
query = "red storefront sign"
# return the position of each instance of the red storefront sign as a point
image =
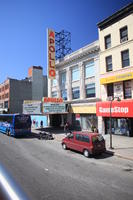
(123, 108)
(52, 100)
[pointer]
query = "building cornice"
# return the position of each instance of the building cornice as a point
(117, 46)
(117, 16)
(81, 101)
(91, 48)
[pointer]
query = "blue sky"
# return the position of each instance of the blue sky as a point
(23, 24)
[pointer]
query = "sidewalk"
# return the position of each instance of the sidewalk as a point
(122, 145)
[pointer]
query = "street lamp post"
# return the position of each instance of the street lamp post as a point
(110, 127)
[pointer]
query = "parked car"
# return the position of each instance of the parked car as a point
(85, 142)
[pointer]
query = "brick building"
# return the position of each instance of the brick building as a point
(13, 92)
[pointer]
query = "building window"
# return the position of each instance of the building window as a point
(6, 104)
(125, 58)
(127, 89)
(64, 94)
(108, 63)
(123, 34)
(107, 41)
(89, 69)
(6, 86)
(110, 90)
(1, 105)
(63, 78)
(54, 94)
(6, 95)
(90, 90)
(75, 93)
(54, 82)
(75, 74)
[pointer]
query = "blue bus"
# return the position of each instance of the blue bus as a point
(15, 124)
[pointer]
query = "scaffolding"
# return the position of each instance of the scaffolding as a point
(62, 44)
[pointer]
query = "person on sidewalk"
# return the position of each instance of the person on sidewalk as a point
(41, 123)
(66, 127)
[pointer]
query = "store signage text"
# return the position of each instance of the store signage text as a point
(124, 108)
(117, 78)
(52, 100)
(114, 110)
(51, 54)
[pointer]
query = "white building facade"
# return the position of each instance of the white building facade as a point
(116, 72)
(77, 82)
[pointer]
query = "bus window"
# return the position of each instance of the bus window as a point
(22, 122)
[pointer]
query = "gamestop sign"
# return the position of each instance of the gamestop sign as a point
(51, 54)
(123, 108)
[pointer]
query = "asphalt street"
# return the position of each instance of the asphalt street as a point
(45, 171)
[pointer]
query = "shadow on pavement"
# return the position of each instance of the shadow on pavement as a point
(104, 155)
(29, 136)
(54, 130)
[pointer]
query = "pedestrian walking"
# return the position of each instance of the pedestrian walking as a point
(41, 124)
(66, 127)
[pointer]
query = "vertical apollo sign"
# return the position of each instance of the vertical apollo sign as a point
(51, 54)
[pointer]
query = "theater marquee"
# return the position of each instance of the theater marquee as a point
(51, 54)
(53, 105)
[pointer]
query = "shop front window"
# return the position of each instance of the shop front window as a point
(88, 122)
(120, 126)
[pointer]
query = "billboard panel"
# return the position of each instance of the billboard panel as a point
(32, 107)
(51, 54)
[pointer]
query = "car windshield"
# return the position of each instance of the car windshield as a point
(97, 138)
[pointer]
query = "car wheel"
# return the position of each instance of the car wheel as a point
(86, 153)
(64, 146)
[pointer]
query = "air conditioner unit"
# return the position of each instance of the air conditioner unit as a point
(124, 39)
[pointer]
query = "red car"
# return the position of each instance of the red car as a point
(85, 142)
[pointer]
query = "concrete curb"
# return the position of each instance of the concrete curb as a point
(119, 155)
